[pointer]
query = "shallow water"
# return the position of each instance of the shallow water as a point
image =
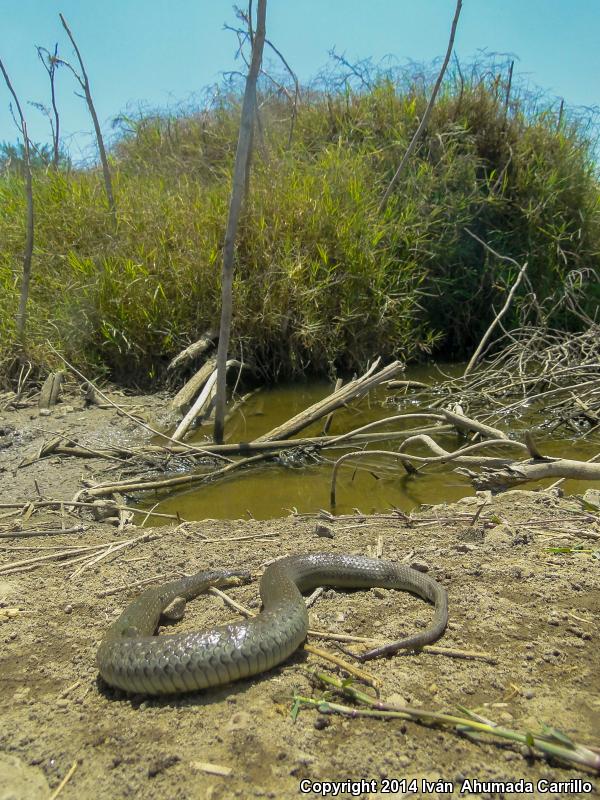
(273, 490)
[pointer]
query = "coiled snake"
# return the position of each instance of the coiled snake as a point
(130, 657)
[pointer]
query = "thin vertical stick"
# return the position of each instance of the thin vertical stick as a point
(85, 85)
(423, 124)
(21, 316)
(242, 157)
(50, 63)
(476, 355)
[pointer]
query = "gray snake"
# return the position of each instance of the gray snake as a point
(130, 657)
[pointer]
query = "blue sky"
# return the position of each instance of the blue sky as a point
(161, 52)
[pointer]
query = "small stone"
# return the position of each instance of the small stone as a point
(321, 723)
(324, 531)
(464, 548)
(68, 609)
(44, 412)
(420, 566)
(529, 694)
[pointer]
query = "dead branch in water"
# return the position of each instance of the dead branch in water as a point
(441, 456)
(535, 365)
(519, 472)
(351, 391)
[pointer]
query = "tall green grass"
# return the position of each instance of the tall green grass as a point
(324, 279)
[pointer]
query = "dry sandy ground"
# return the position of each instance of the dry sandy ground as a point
(535, 612)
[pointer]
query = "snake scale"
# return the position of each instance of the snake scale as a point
(130, 657)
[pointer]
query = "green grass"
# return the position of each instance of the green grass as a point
(324, 279)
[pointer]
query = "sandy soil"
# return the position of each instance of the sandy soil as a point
(535, 612)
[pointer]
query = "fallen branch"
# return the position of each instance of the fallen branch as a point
(184, 397)
(103, 490)
(201, 403)
(524, 471)
(442, 456)
(351, 391)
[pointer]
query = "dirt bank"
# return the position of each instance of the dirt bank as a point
(533, 610)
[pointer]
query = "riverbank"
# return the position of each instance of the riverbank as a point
(529, 609)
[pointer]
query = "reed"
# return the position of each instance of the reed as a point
(324, 280)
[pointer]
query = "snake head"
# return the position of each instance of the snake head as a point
(234, 578)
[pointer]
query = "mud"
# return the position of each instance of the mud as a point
(534, 611)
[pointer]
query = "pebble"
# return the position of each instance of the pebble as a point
(68, 609)
(420, 566)
(324, 531)
(528, 694)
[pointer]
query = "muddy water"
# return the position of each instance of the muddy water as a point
(370, 485)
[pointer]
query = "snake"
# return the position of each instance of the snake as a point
(132, 658)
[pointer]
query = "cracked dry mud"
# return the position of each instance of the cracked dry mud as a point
(536, 612)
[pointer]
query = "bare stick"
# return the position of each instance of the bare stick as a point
(524, 471)
(242, 158)
(365, 677)
(460, 456)
(84, 82)
(396, 418)
(200, 403)
(592, 460)
(21, 316)
(486, 336)
(103, 490)
(50, 62)
(329, 418)
(64, 781)
(351, 391)
(423, 124)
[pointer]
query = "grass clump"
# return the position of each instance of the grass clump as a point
(324, 279)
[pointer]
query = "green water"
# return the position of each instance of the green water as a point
(273, 490)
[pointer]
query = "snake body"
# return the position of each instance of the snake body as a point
(130, 657)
